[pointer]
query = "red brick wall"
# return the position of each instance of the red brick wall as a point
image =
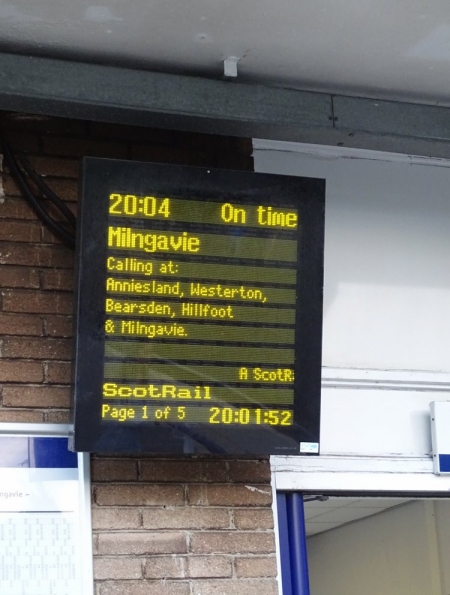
(194, 526)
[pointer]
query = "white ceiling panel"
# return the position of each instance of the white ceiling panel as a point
(316, 528)
(334, 512)
(374, 48)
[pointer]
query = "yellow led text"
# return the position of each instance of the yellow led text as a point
(133, 286)
(205, 311)
(219, 291)
(266, 375)
(129, 265)
(154, 308)
(125, 237)
(119, 413)
(155, 391)
(265, 216)
(137, 328)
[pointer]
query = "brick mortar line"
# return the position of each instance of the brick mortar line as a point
(230, 556)
(140, 508)
(187, 532)
(40, 290)
(178, 482)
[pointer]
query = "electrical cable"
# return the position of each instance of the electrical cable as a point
(48, 192)
(67, 236)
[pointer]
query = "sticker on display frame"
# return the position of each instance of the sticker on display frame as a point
(199, 311)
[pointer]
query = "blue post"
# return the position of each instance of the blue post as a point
(283, 532)
(297, 544)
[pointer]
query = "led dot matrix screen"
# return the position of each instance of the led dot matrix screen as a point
(199, 311)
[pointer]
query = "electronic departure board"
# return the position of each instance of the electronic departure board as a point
(199, 311)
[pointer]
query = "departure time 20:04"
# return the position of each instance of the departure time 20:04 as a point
(132, 206)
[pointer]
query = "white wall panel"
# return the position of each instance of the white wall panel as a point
(370, 422)
(386, 293)
(387, 253)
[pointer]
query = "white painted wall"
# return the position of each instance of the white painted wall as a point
(386, 336)
(392, 553)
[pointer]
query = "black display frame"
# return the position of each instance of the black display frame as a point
(100, 178)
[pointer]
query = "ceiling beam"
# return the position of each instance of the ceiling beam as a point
(104, 93)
